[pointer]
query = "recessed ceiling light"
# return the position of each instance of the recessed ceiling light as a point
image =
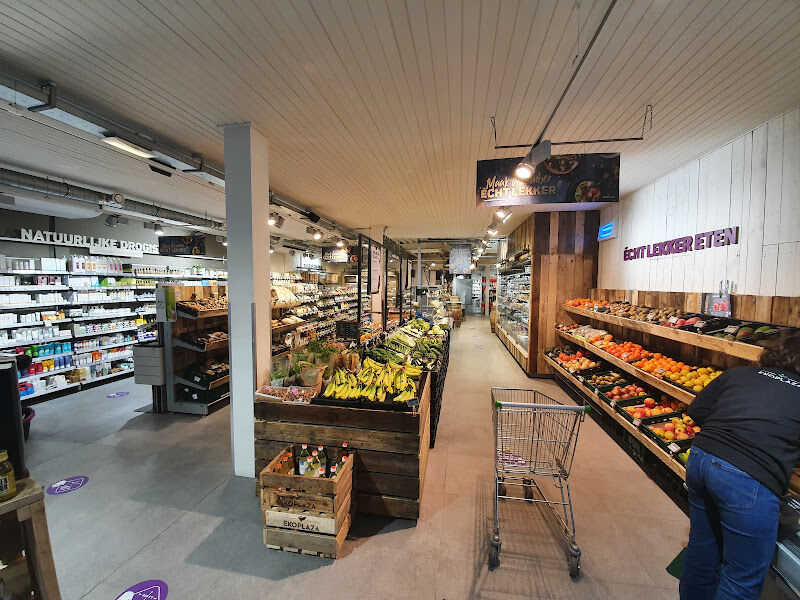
(128, 147)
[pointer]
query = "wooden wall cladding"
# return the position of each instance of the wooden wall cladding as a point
(563, 265)
(392, 447)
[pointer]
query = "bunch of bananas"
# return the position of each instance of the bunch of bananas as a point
(375, 382)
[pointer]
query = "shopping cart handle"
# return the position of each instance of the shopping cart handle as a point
(500, 404)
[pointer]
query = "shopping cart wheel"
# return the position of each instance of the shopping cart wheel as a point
(494, 557)
(574, 561)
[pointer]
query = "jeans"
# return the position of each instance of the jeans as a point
(734, 528)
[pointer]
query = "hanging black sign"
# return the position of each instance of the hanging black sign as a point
(561, 179)
(180, 245)
(347, 330)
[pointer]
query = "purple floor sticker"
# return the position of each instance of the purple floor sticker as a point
(70, 484)
(118, 395)
(152, 589)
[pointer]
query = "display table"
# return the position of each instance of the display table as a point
(392, 447)
(29, 507)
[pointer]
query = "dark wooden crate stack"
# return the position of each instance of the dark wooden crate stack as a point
(437, 390)
(307, 515)
(391, 447)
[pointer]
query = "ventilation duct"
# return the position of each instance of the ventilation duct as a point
(13, 182)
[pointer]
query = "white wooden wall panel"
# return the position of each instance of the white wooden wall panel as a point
(753, 183)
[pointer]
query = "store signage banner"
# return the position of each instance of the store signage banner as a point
(700, 241)
(182, 245)
(460, 259)
(96, 245)
(375, 269)
(335, 255)
(561, 179)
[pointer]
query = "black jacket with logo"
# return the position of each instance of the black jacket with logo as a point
(750, 417)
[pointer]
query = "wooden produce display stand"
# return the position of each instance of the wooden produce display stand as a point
(391, 447)
(307, 515)
(178, 353)
(28, 505)
(692, 347)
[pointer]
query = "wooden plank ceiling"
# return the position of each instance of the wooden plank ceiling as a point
(376, 110)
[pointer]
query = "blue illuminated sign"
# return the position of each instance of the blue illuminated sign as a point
(606, 231)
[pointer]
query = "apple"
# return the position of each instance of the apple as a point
(658, 431)
(638, 415)
(680, 322)
(669, 427)
(649, 402)
(696, 429)
(681, 435)
(669, 435)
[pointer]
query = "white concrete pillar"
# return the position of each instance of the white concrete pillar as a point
(249, 317)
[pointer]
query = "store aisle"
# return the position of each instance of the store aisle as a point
(161, 505)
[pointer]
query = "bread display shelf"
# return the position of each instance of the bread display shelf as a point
(207, 348)
(188, 313)
(214, 384)
(657, 383)
(738, 349)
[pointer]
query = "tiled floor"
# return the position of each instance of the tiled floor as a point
(161, 504)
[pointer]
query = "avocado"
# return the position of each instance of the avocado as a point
(744, 332)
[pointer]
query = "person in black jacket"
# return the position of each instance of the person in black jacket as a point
(739, 467)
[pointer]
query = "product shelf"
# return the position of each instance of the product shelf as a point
(214, 384)
(109, 332)
(93, 302)
(49, 391)
(44, 374)
(24, 343)
(102, 288)
(657, 383)
(207, 348)
(98, 348)
(49, 356)
(32, 306)
(33, 288)
(102, 318)
(738, 349)
(33, 272)
(205, 314)
(113, 358)
(513, 341)
(629, 427)
(109, 376)
(35, 324)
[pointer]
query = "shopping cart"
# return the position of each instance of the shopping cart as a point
(535, 436)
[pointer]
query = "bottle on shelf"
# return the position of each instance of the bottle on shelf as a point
(333, 471)
(302, 459)
(321, 472)
(345, 452)
(323, 460)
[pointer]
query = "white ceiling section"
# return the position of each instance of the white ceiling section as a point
(376, 110)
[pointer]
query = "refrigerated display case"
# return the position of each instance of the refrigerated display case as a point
(514, 309)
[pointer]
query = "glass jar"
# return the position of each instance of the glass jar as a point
(8, 487)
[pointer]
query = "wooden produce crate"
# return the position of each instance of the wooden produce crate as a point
(308, 515)
(392, 447)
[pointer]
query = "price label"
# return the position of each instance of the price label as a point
(196, 379)
(659, 371)
(613, 403)
(673, 319)
(194, 396)
(625, 356)
(673, 447)
(637, 422)
(699, 324)
(731, 329)
(650, 316)
(413, 402)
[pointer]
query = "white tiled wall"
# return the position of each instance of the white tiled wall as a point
(753, 183)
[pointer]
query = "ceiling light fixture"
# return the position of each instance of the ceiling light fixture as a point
(485, 242)
(317, 235)
(501, 213)
(111, 221)
(271, 250)
(271, 221)
(527, 165)
(507, 217)
(158, 229)
(491, 231)
(433, 264)
(340, 244)
(121, 144)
